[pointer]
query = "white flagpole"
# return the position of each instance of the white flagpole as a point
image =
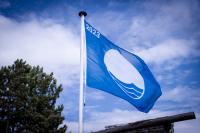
(82, 14)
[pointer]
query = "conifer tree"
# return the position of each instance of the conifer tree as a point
(28, 100)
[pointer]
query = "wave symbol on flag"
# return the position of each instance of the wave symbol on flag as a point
(125, 75)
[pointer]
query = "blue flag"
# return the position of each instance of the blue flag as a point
(119, 72)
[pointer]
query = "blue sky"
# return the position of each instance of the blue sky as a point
(164, 33)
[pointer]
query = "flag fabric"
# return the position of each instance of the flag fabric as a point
(114, 70)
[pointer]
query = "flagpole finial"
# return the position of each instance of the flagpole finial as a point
(82, 13)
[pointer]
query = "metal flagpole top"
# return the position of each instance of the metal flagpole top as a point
(82, 13)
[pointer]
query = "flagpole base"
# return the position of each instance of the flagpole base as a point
(82, 13)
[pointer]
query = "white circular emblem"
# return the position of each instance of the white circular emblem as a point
(125, 75)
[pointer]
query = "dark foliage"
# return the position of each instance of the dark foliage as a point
(27, 100)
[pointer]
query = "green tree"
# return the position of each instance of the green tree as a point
(27, 100)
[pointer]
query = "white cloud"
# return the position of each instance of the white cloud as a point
(95, 95)
(182, 94)
(169, 51)
(162, 22)
(72, 127)
(44, 43)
